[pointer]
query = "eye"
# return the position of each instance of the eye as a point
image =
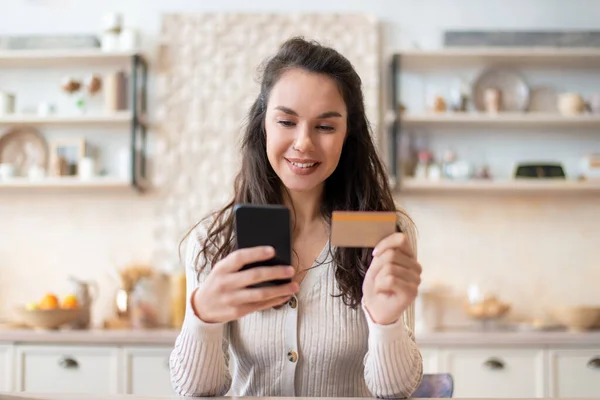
(326, 128)
(287, 124)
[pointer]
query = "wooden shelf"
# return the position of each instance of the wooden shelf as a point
(512, 119)
(69, 58)
(66, 183)
(409, 185)
(117, 119)
(523, 56)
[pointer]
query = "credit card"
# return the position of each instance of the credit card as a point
(361, 228)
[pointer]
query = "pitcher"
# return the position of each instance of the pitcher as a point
(86, 292)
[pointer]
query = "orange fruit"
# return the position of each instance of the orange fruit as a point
(70, 301)
(49, 302)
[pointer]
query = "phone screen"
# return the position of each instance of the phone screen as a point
(265, 225)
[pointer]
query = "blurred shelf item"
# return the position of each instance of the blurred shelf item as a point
(409, 185)
(522, 56)
(500, 119)
(121, 118)
(66, 183)
(66, 58)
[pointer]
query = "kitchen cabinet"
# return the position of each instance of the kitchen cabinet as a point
(495, 372)
(67, 369)
(430, 360)
(574, 373)
(146, 371)
(6, 368)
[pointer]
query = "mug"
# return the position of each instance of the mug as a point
(570, 104)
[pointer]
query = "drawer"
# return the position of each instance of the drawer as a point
(147, 371)
(575, 373)
(495, 372)
(64, 369)
(6, 368)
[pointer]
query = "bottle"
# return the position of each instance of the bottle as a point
(178, 298)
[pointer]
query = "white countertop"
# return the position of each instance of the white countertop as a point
(20, 396)
(167, 337)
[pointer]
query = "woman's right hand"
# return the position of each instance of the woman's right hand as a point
(226, 296)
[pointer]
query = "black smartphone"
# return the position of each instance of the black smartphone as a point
(265, 225)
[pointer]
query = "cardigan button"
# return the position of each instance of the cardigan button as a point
(292, 356)
(293, 302)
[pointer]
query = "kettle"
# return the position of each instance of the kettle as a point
(86, 292)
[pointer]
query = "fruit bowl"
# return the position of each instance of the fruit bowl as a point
(50, 319)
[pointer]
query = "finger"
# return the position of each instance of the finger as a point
(263, 294)
(265, 305)
(243, 279)
(404, 274)
(395, 240)
(401, 259)
(238, 258)
(391, 284)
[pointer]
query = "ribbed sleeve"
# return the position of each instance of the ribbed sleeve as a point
(393, 363)
(199, 360)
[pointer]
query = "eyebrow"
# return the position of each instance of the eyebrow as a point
(328, 114)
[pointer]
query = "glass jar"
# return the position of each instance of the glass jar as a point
(145, 305)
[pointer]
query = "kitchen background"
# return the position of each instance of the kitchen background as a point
(534, 249)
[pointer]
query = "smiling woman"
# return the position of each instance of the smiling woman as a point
(346, 328)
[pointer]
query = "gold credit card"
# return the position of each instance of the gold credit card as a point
(361, 228)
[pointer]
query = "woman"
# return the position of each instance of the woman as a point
(342, 327)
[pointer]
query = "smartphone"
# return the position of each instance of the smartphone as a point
(265, 225)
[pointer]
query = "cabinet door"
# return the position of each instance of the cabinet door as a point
(430, 360)
(147, 371)
(65, 369)
(6, 368)
(575, 373)
(495, 372)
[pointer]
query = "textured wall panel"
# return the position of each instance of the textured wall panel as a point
(207, 82)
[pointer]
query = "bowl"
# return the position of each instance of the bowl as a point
(577, 318)
(46, 319)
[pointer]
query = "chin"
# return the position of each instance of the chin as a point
(301, 184)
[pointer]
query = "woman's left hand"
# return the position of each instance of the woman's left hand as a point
(392, 280)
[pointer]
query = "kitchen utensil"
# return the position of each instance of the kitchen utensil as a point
(46, 319)
(515, 92)
(571, 104)
(577, 318)
(23, 148)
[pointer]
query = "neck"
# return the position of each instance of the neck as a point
(305, 207)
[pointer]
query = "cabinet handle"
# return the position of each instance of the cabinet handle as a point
(594, 363)
(494, 364)
(68, 363)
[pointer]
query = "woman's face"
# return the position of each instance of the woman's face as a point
(306, 127)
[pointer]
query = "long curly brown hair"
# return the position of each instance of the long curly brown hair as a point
(359, 182)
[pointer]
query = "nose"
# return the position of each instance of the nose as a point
(303, 142)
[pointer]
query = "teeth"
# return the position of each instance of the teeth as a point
(303, 165)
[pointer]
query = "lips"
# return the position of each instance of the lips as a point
(302, 166)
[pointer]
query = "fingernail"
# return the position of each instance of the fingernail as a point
(375, 252)
(290, 270)
(269, 250)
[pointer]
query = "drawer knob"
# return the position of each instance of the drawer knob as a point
(68, 363)
(494, 364)
(594, 363)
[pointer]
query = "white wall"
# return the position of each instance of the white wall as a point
(46, 236)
